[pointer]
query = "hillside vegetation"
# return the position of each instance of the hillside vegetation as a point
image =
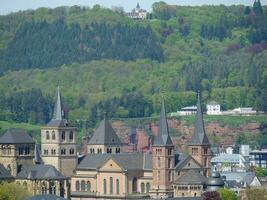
(107, 63)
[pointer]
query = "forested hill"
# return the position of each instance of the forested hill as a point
(106, 62)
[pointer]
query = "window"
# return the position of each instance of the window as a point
(52, 188)
(158, 175)
(147, 187)
(71, 136)
(170, 176)
(205, 161)
(142, 188)
(111, 185)
(44, 189)
(21, 150)
(117, 186)
(92, 150)
(63, 151)
(194, 151)
(8, 150)
(45, 151)
(88, 186)
(63, 135)
(4, 150)
(169, 163)
(134, 185)
(169, 152)
(53, 151)
(178, 173)
(71, 151)
(99, 150)
(105, 186)
(77, 186)
(158, 162)
(118, 150)
(205, 150)
(53, 135)
(83, 186)
(27, 150)
(47, 135)
(109, 150)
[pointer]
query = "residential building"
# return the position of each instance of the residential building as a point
(137, 13)
(258, 158)
(213, 108)
(189, 110)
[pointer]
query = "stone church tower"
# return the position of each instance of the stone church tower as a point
(162, 160)
(199, 147)
(58, 140)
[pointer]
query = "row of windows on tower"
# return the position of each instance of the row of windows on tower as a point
(159, 151)
(62, 151)
(22, 150)
(109, 150)
(111, 191)
(169, 165)
(63, 135)
(195, 151)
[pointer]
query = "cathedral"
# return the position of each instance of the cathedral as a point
(105, 171)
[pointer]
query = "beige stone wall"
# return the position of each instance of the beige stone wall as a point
(64, 162)
(190, 191)
(36, 187)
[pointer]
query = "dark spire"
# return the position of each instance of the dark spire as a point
(58, 112)
(37, 157)
(163, 138)
(199, 136)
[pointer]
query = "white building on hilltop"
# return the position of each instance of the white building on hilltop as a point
(213, 108)
(138, 13)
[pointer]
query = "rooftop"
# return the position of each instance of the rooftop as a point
(16, 136)
(228, 158)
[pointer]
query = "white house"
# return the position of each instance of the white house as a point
(244, 111)
(189, 110)
(213, 108)
(137, 13)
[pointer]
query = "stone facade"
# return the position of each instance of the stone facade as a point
(59, 148)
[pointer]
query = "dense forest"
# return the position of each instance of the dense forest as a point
(108, 63)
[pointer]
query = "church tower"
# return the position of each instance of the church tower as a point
(58, 140)
(199, 147)
(162, 160)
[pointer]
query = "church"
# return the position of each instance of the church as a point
(105, 172)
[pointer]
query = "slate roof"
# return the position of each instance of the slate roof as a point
(127, 161)
(191, 177)
(163, 138)
(37, 157)
(183, 160)
(105, 135)
(228, 158)
(199, 136)
(16, 136)
(4, 173)
(41, 172)
(247, 177)
(46, 197)
(213, 103)
(58, 119)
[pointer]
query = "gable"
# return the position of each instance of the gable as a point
(110, 165)
(255, 182)
(188, 163)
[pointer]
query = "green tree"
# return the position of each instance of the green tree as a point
(227, 194)
(13, 191)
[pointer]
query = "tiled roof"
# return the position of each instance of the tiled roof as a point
(16, 136)
(42, 172)
(191, 177)
(163, 138)
(4, 173)
(183, 160)
(228, 158)
(239, 176)
(127, 161)
(105, 135)
(199, 136)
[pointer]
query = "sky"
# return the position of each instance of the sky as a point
(7, 6)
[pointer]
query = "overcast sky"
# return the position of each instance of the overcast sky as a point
(7, 6)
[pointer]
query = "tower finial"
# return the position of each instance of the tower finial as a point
(58, 112)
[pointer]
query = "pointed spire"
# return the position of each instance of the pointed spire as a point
(58, 112)
(199, 136)
(163, 138)
(37, 157)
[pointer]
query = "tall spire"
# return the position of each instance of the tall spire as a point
(163, 138)
(199, 136)
(58, 112)
(37, 156)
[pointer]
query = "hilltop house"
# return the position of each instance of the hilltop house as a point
(213, 108)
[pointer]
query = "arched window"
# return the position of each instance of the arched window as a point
(52, 188)
(77, 186)
(169, 163)
(142, 187)
(63, 151)
(53, 135)
(24, 184)
(170, 176)
(158, 162)
(147, 187)
(118, 150)
(71, 136)
(47, 135)
(44, 189)
(111, 185)
(134, 185)
(63, 135)
(88, 186)
(71, 151)
(105, 186)
(117, 186)
(83, 186)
